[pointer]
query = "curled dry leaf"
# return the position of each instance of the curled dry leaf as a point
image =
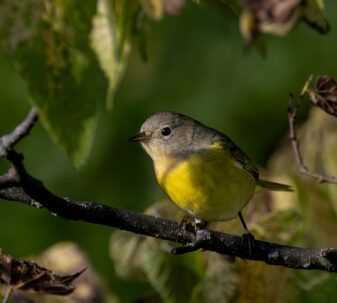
(27, 275)
(325, 94)
(278, 17)
(65, 257)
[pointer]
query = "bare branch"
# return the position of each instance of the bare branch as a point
(292, 112)
(7, 295)
(22, 130)
(18, 195)
(8, 180)
(33, 192)
(271, 253)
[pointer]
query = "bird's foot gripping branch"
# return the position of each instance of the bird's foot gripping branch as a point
(18, 185)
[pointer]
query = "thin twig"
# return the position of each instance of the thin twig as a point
(205, 239)
(22, 130)
(292, 112)
(8, 294)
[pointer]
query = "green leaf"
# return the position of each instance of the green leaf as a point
(173, 277)
(314, 17)
(316, 202)
(219, 283)
(48, 44)
(126, 251)
(111, 38)
(233, 5)
(315, 287)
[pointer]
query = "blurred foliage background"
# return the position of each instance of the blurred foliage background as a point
(198, 65)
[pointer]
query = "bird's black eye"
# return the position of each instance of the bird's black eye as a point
(165, 131)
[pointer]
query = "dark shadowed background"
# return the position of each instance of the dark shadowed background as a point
(198, 65)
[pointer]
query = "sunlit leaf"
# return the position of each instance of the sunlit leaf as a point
(111, 38)
(154, 8)
(315, 202)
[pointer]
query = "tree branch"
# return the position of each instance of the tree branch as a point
(292, 112)
(22, 130)
(32, 192)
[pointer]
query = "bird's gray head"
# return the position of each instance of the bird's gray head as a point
(168, 133)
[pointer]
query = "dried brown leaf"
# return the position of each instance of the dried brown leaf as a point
(65, 257)
(173, 7)
(325, 94)
(272, 11)
(279, 17)
(268, 16)
(27, 275)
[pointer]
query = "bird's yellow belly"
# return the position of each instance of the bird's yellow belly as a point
(210, 186)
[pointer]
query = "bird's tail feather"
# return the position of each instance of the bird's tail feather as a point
(274, 186)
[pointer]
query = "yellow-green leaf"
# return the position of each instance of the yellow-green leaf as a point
(111, 39)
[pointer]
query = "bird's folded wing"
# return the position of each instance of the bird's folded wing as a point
(239, 156)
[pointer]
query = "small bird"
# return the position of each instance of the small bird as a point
(200, 169)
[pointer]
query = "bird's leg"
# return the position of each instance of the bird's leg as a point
(243, 223)
(183, 225)
(247, 238)
(189, 247)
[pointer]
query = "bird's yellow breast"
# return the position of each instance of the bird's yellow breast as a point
(209, 185)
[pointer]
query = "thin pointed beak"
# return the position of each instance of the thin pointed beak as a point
(140, 137)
